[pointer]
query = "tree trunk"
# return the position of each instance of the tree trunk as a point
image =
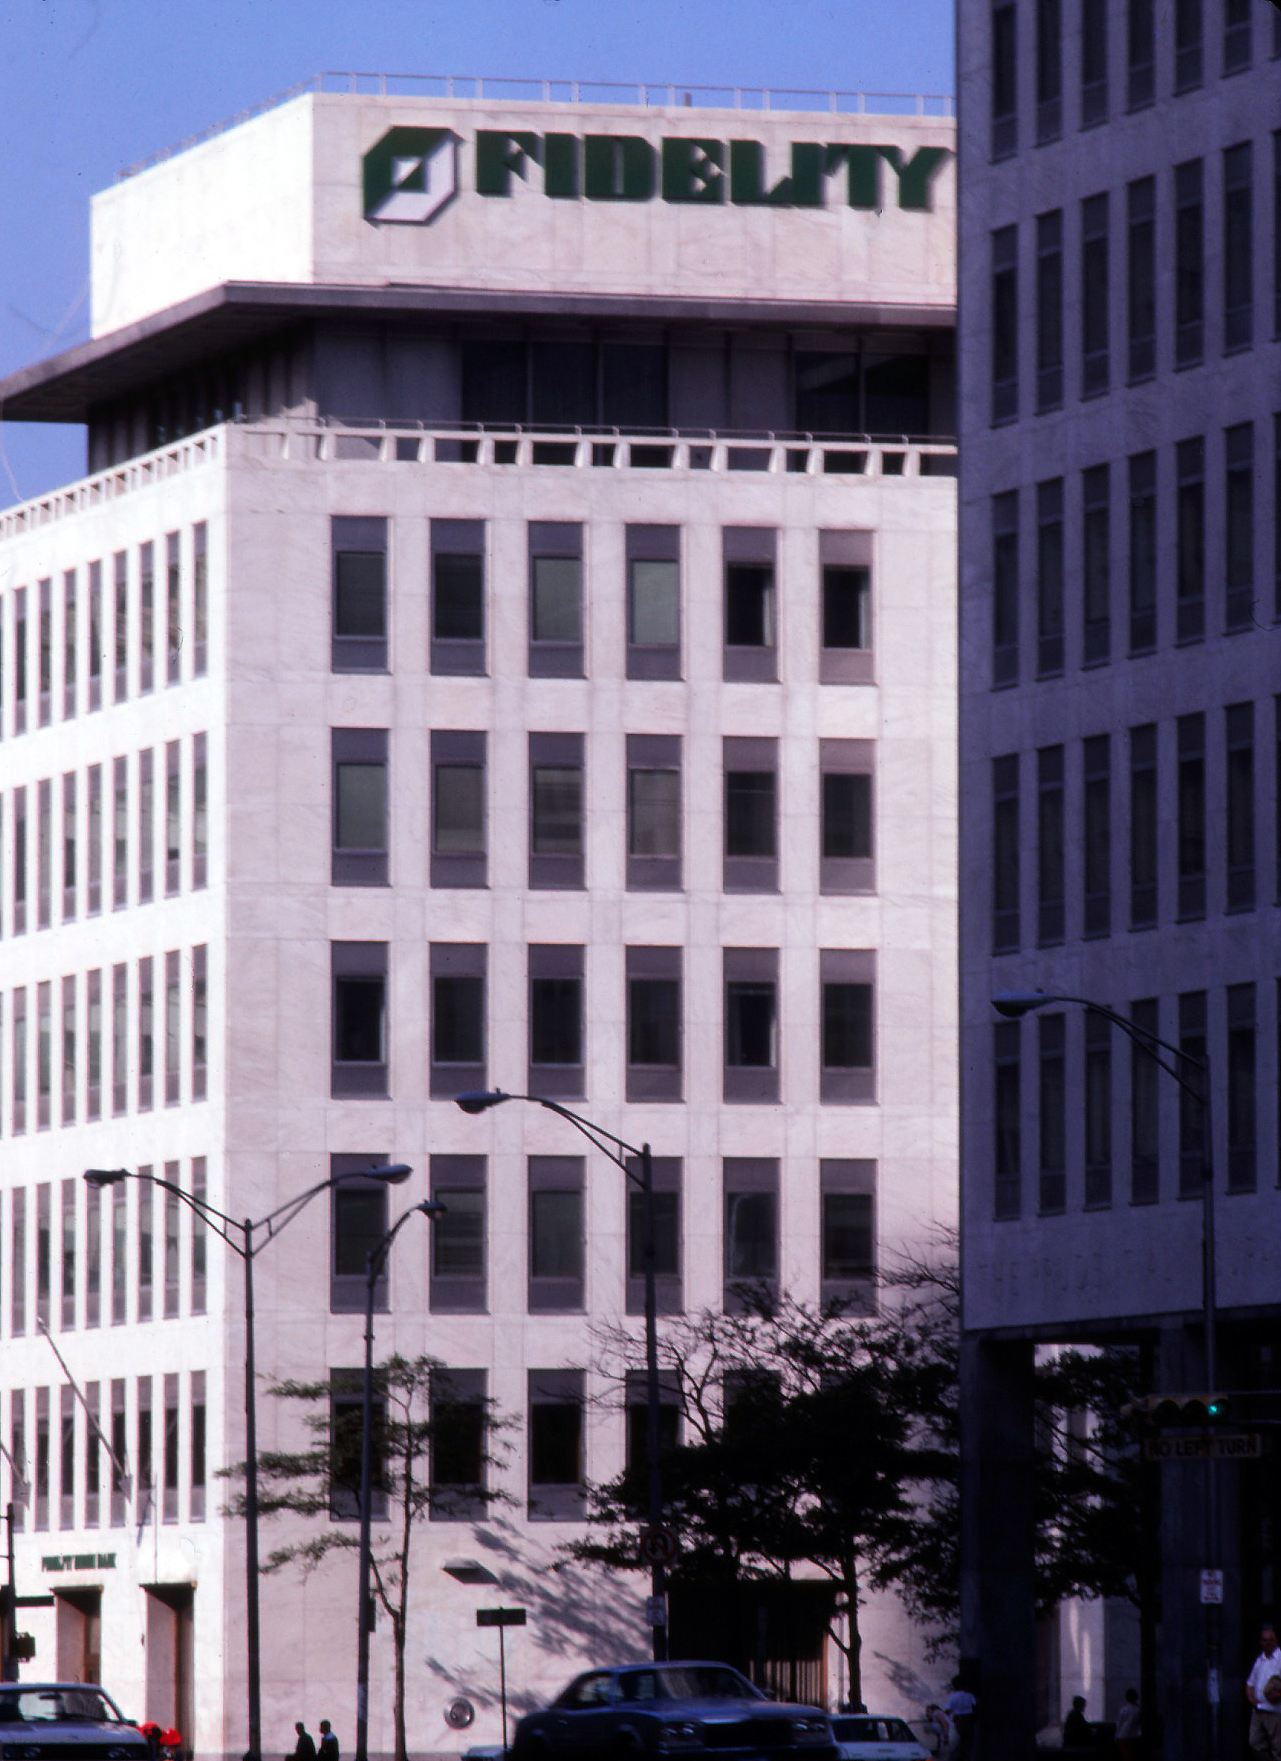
(398, 1636)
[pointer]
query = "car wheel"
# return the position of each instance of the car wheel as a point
(533, 1748)
(627, 1747)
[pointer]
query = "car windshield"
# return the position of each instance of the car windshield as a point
(871, 1730)
(704, 1681)
(55, 1706)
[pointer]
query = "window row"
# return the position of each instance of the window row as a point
(654, 1017)
(134, 1450)
(556, 599)
(116, 1040)
(1161, 823)
(557, 811)
(105, 632)
(75, 1256)
(1109, 54)
(1073, 1094)
(557, 1247)
(1135, 539)
(113, 835)
(1099, 311)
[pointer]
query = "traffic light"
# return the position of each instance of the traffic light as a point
(1178, 1409)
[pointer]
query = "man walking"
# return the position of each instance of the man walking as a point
(1263, 1691)
(328, 1742)
(305, 1747)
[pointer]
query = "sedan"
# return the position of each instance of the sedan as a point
(865, 1737)
(670, 1709)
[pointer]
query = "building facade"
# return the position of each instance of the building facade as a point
(1121, 413)
(505, 638)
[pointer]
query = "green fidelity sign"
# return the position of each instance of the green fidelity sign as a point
(411, 173)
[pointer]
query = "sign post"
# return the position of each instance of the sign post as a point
(502, 1618)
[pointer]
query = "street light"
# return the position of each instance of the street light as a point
(239, 1237)
(1015, 1005)
(618, 1151)
(375, 1260)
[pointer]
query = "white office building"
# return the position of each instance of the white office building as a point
(505, 638)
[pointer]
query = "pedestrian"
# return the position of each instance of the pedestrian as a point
(1263, 1691)
(1077, 1730)
(1129, 1727)
(961, 1707)
(305, 1747)
(945, 1732)
(328, 1742)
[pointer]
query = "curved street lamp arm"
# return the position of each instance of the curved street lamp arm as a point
(595, 1134)
(216, 1219)
(1147, 1042)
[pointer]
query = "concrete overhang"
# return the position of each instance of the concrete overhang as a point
(65, 387)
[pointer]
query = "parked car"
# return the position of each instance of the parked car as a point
(670, 1709)
(61, 1720)
(866, 1736)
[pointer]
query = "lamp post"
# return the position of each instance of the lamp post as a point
(240, 1238)
(375, 1261)
(1192, 1074)
(619, 1151)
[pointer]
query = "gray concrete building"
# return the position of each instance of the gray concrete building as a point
(1121, 730)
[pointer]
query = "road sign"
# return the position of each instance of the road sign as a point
(1211, 1587)
(1212, 1446)
(656, 1611)
(658, 1545)
(500, 1617)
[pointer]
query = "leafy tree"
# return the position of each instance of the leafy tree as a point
(431, 1448)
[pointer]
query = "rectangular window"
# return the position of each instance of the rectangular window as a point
(751, 1229)
(119, 1453)
(1239, 796)
(44, 854)
(359, 759)
(555, 1451)
(18, 1113)
(1005, 588)
(199, 811)
(93, 853)
(1242, 1091)
(751, 1024)
(20, 861)
(653, 812)
(1238, 246)
(1095, 296)
(845, 656)
(636, 1398)
(1191, 817)
(1190, 539)
(20, 661)
(846, 855)
(1238, 522)
(1005, 853)
(359, 552)
(67, 1459)
(120, 833)
(458, 597)
(146, 1193)
(751, 815)
(68, 1193)
(457, 1017)
(1188, 44)
(1096, 917)
(197, 1448)
(1189, 264)
(199, 1236)
(119, 1038)
(1140, 301)
(458, 1236)
(556, 1020)
(199, 1022)
(653, 602)
(173, 609)
(1052, 1113)
(199, 599)
(1049, 846)
(358, 1222)
(666, 1179)
(1049, 578)
(1097, 1032)
(1096, 564)
(1276, 216)
(1238, 48)
(45, 650)
(146, 616)
(18, 1263)
(751, 638)
(170, 1457)
(42, 1463)
(458, 808)
(70, 639)
(1004, 81)
(119, 1254)
(457, 1454)
(1005, 324)
(1192, 1147)
(146, 1032)
(1142, 557)
(173, 817)
(556, 809)
(70, 847)
(93, 1034)
(68, 1114)
(93, 1455)
(44, 1056)
(121, 626)
(1145, 1109)
(848, 1031)
(93, 1259)
(146, 826)
(555, 599)
(359, 1019)
(556, 1234)
(654, 1036)
(345, 1412)
(847, 1243)
(1049, 310)
(96, 636)
(1094, 62)
(1049, 71)
(1276, 452)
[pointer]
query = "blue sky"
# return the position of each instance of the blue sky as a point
(88, 87)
